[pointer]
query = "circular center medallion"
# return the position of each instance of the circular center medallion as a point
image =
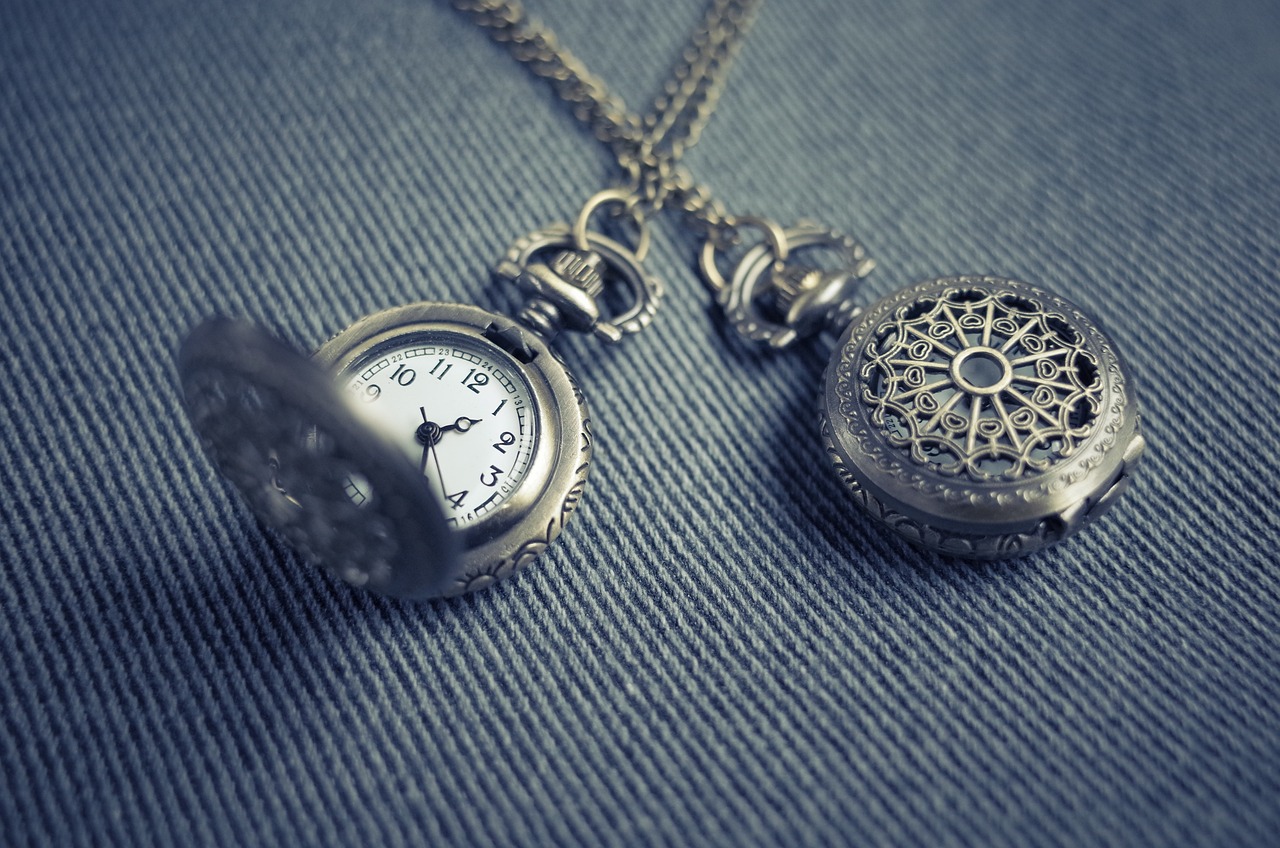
(981, 370)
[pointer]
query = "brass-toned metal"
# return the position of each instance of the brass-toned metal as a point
(979, 416)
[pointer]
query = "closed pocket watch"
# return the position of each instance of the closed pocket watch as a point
(974, 415)
(979, 416)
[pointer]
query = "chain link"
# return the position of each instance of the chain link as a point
(647, 148)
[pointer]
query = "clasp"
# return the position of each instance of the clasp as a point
(771, 298)
(566, 268)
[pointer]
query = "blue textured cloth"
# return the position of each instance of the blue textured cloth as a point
(719, 650)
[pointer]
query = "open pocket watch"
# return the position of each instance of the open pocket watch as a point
(974, 415)
(429, 449)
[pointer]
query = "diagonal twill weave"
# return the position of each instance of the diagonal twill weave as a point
(719, 650)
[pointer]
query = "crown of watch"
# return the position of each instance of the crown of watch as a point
(581, 268)
(792, 281)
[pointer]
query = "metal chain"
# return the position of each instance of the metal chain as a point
(770, 297)
(647, 148)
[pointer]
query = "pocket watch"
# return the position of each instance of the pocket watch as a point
(428, 449)
(976, 416)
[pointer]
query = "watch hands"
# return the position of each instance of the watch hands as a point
(428, 433)
(439, 474)
(422, 466)
(462, 425)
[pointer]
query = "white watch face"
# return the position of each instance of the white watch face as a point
(459, 408)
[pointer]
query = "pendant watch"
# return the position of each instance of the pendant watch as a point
(976, 416)
(426, 450)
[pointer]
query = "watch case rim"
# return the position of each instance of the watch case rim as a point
(526, 524)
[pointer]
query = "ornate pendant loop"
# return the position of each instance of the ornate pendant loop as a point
(771, 298)
(566, 268)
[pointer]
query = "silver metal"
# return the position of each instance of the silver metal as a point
(566, 268)
(647, 148)
(967, 476)
(598, 201)
(334, 484)
(976, 416)
(980, 417)
(275, 425)
(773, 300)
(529, 521)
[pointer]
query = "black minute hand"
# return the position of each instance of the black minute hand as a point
(429, 434)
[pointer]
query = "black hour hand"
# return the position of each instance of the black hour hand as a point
(462, 425)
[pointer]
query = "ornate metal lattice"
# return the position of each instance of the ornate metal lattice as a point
(985, 385)
(291, 475)
(274, 424)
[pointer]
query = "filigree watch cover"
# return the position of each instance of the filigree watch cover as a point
(278, 428)
(980, 416)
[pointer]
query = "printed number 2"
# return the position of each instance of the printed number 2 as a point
(474, 381)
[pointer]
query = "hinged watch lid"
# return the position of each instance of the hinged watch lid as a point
(276, 425)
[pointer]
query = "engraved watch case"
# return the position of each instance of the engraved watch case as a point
(980, 417)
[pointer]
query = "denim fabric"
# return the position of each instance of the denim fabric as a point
(719, 651)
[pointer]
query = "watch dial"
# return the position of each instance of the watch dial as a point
(459, 409)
